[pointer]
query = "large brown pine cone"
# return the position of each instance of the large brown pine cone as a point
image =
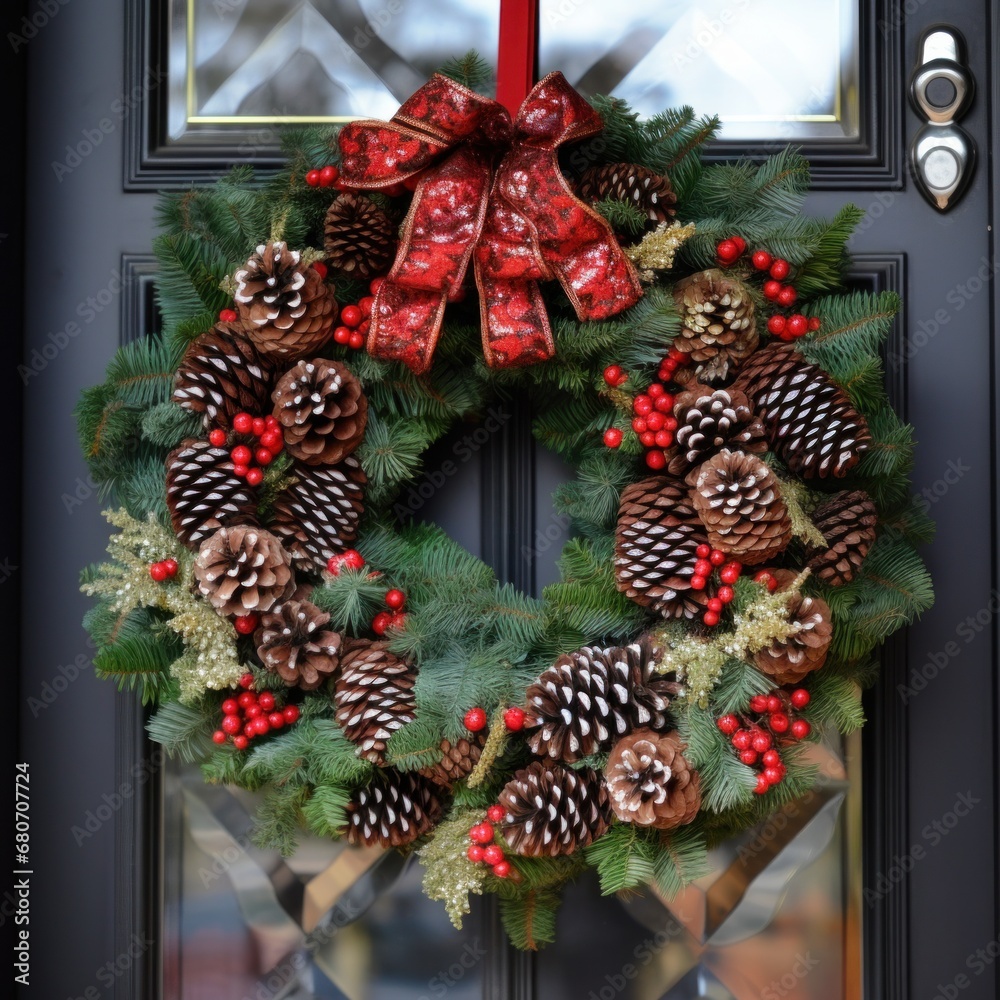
(394, 810)
(709, 420)
(655, 542)
(360, 237)
(322, 411)
(286, 308)
(457, 760)
(590, 698)
(551, 810)
(292, 642)
(792, 659)
(650, 192)
(739, 502)
(317, 515)
(848, 523)
(374, 696)
(243, 569)
(718, 329)
(203, 494)
(649, 781)
(809, 419)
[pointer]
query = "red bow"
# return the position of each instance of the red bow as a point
(522, 222)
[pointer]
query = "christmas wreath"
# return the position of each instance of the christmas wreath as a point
(744, 533)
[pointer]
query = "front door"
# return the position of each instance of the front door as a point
(144, 884)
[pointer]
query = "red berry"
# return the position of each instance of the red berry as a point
(475, 720)
(758, 703)
(493, 854)
(773, 703)
(761, 260)
(665, 403)
(219, 736)
(252, 711)
(800, 697)
(710, 618)
(248, 730)
(703, 567)
(494, 814)
(648, 440)
(158, 571)
(655, 459)
(748, 757)
(715, 605)
(232, 724)
(217, 438)
(776, 324)
(778, 722)
(230, 707)
(612, 437)
(328, 175)
(814, 322)
(761, 741)
(320, 268)
(276, 720)
(341, 335)
(243, 423)
(729, 575)
(717, 557)
(240, 742)
(742, 739)
(356, 341)
(481, 833)
(291, 713)
(656, 389)
(266, 701)
(613, 376)
(780, 269)
(474, 854)
(381, 622)
(698, 582)
(272, 440)
(703, 551)
(728, 724)
(677, 355)
(773, 775)
(771, 759)
(797, 325)
(771, 289)
(259, 426)
(263, 456)
(171, 566)
(353, 559)
(241, 470)
(762, 785)
(246, 680)
(801, 729)
(727, 251)
(261, 725)
(395, 599)
(640, 425)
(655, 421)
(725, 593)
(245, 624)
(350, 316)
(513, 719)
(501, 869)
(741, 244)
(312, 178)
(241, 455)
(255, 476)
(663, 439)
(642, 405)
(787, 296)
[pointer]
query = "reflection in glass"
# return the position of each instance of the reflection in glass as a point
(771, 69)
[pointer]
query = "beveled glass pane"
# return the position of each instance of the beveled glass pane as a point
(246, 62)
(771, 69)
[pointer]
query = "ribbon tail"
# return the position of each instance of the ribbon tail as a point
(515, 324)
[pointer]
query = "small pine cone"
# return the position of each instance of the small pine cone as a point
(552, 810)
(718, 326)
(649, 781)
(222, 374)
(374, 697)
(394, 810)
(790, 660)
(457, 761)
(657, 535)
(317, 516)
(360, 237)
(809, 419)
(587, 700)
(322, 411)
(287, 309)
(709, 420)
(203, 494)
(739, 502)
(292, 642)
(847, 521)
(242, 569)
(647, 190)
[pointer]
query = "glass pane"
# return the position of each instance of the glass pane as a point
(771, 69)
(234, 62)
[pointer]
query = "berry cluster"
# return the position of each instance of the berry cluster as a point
(513, 719)
(349, 559)
(729, 250)
(756, 745)
(249, 715)
(767, 579)
(395, 617)
(266, 441)
(355, 318)
(166, 569)
(707, 561)
(324, 177)
(483, 850)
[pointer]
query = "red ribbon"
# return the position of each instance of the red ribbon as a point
(491, 191)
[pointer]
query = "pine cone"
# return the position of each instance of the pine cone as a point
(374, 696)
(292, 642)
(587, 700)
(708, 421)
(243, 569)
(718, 327)
(222, 374)
(647, 190)
(808, 418)
(649, 781)
(317, 515)
(847, 521)
(551, 810)
(287, 309)
(394, 810)
(789, 661)
(457, 761)
(203, 494)
(658, 533)
(322, 411)
(739, 502)
(360, 237)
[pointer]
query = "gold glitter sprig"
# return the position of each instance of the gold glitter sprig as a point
(495, 744)
(449, 875)
(657, 250)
